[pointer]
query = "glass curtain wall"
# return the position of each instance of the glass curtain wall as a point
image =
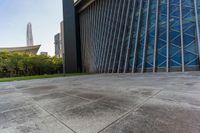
(140, 36)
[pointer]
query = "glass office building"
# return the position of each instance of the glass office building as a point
(138, 35)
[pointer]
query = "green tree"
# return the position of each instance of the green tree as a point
(22, 64)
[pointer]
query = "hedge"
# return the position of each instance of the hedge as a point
(14, 64)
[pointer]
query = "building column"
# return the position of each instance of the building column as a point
(167, 47)
(102, 28)
(106, 33)
(137, 37)
(181, 31)
(70, 43)
(156, 36)
(145, 38)
(197, 27)
(124, 36)
(129, 39)
(119, 33)
(115, 33)
(112, 26)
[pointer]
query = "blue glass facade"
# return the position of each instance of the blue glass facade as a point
(140, 35)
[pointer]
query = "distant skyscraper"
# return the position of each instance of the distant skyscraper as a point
(29, 35)
(57, 43)
(62, 38)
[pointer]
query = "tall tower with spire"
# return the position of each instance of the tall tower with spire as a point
(29, 35)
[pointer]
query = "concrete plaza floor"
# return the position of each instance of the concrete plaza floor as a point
(106, 103)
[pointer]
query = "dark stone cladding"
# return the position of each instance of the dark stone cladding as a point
(70, 38)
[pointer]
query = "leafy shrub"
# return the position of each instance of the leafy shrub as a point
(14, 64)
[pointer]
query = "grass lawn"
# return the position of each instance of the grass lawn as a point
(39, 77)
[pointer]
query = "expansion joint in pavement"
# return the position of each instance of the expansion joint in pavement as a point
(131, 110)
(51, 114)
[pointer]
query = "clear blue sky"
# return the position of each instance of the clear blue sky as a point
(45, 16)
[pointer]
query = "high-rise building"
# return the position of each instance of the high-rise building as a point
(133, 35)
(62, 38)
(57, 43)
(29, 35)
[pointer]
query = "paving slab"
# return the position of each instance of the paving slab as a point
(20, 115)
(13, 100)
(91, 118)
(50, 96)
(181, 97)
(135, 123)
(38, 90)
(157, 116)
(61, 104)
(42, 125)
